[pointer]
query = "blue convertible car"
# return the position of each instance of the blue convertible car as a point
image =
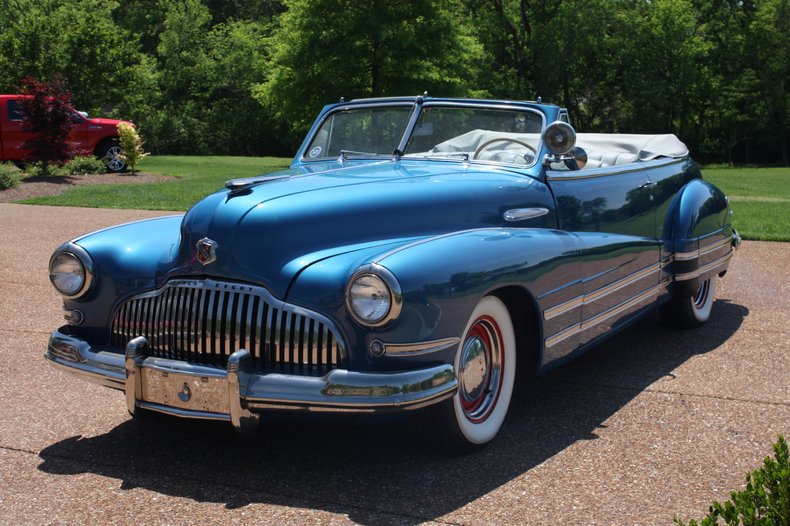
(415, 254)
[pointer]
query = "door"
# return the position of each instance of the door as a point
(13, 134)
(611, 210)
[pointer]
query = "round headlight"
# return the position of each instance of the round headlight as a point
(369, 297)
(373, 296)
(68, 274)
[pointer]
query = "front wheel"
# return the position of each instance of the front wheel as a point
(687, 312)
(112, 155)
(485, 365)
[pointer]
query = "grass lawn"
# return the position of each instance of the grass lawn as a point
(198, 177)
(760, 198)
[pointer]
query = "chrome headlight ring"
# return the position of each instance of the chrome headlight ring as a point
(373, 284)
(76, 256)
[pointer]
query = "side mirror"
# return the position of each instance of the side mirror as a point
(580, 157)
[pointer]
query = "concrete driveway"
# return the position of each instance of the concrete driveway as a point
(653, 423)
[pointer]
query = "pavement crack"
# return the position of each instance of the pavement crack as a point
(18, 450)
(24, 331)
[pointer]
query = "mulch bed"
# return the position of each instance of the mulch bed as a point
(54, 185)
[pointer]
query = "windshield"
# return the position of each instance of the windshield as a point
(506, 136)
(447, 132)
(372, 131)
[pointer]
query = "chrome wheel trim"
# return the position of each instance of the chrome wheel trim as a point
(700, 298)
(480, 373)
(114, 158)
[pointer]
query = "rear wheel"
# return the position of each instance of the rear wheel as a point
(692, 311)
(485, 365)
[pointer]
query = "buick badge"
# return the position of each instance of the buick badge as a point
(206, 251)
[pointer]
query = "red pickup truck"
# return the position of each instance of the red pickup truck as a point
(97, 136)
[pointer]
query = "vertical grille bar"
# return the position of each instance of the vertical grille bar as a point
(164, 321)
(200, 318)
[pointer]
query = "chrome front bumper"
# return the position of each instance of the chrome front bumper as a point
(238, 394)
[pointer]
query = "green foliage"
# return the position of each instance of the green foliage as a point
(85, 165)
(132, 145)
(764, 502)
(9, 176)
(193, 73)
(324, 49)
(77, 40)
(39, 170)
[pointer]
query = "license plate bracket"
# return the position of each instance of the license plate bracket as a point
(208, 394)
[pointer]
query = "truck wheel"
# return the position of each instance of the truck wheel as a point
(112, 155)
(485, 365)
(687, 312)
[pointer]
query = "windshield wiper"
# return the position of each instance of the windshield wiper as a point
(444, 155)
(345, 154)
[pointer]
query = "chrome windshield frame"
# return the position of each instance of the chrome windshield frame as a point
(417, 105)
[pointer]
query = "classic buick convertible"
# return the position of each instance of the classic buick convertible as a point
(417, 251)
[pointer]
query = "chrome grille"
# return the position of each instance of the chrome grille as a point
(205, 321)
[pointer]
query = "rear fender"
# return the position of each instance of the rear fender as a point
(702, 238)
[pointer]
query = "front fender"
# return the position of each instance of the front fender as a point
(127, 259)
(442, 279)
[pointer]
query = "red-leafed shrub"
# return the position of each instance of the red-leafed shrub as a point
(47, 113)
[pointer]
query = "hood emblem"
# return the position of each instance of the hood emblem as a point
(206, 251)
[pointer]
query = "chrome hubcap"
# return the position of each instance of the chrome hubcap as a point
(480, 369)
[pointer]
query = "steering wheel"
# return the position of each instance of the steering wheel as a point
(501, 139)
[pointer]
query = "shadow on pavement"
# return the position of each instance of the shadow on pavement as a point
(361, 470)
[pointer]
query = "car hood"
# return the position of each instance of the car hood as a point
(268, 231)
(104, 122)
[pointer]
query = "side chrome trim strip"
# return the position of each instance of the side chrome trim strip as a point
(519, 214)
(685, 256)
(414, 349)
(602, 317)
(702, 270)
(586, 299)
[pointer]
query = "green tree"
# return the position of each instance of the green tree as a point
(202, 101)
(77, 40)
(325, 49)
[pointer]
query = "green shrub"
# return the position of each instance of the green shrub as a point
(764, 502)
(9, 176)
(37, 170)
(85, 164)
(132, 145)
